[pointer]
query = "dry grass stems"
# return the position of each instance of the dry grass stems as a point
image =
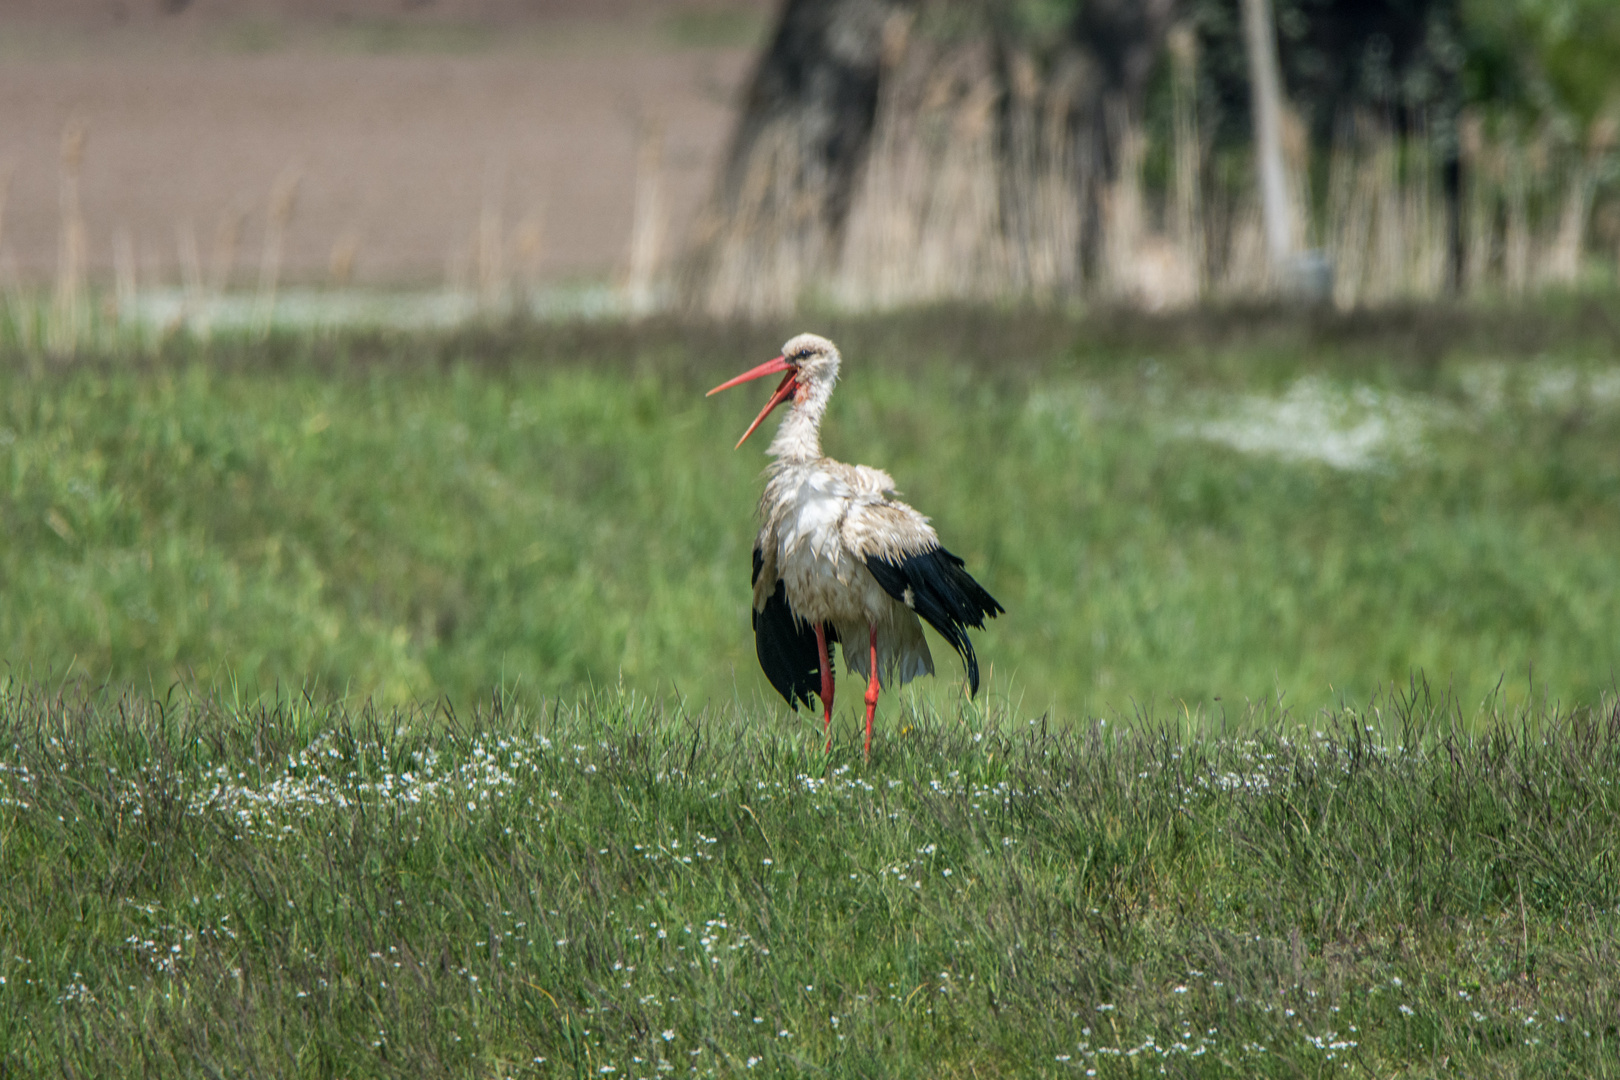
(647, 220)
(283, 198)
(528, 245)
(125, 279)
(68, 315)
(925, 221)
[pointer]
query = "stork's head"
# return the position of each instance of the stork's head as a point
(810, 364)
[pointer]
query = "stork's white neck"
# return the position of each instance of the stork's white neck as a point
(798, 440)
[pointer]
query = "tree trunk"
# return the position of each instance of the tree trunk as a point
(906, 151)
(1115, 44)
(790, 173)
(1265, 90)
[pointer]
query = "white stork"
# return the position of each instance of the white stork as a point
(840, 559)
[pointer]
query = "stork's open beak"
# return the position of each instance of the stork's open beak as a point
(783, 392)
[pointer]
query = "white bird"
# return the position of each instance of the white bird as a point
(840, 559)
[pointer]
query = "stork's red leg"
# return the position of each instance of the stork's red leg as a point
(826, 681)
(871, 692)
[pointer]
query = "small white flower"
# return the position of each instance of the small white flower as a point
(669, 1034)
(1407, 1010)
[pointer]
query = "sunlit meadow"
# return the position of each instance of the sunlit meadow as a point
(1207, 514)
(1297, 753)
(607, 887)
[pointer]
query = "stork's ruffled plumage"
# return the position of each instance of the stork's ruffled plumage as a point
(840, 558)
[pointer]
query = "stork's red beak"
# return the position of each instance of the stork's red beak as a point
(783, 392)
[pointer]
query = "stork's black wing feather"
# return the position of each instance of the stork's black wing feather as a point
(786, 645)
(934, 585)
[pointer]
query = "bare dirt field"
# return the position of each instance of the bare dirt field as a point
(400, 133)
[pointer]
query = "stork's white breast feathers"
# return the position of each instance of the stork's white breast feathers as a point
(832, 509)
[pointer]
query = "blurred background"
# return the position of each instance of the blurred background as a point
(739, 157)
(211, 147)
(1246, 349)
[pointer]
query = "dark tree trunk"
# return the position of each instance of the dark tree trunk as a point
(1117, 43)
(790, 173)
(819, 78)
(896, 151)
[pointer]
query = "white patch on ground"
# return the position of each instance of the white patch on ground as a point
(1343, 427)
(1490, 386)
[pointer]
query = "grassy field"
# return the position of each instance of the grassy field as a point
(1204, 821)
(1198, 513)
(607, 887)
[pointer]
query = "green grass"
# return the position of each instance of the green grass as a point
(607, 887)
(546, 509)
(608, 851)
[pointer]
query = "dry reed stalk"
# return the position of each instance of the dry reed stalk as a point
(458, 262)
(488, 241)
(1140, 267)
(1122, 213)
(283, 197)
(1383, 175)
(647, 219)
(69, 301)
(1428, 255)
(340, 263)
(1516, 228)
(1296, 150)
(529, 247)
(1564, 260)
(1481, 171)
(194, 307)
(1186, 217)
(1248, 267)
(1042, 188)
(227, 235)
(970, 190)
(772, 247)
(1384, 225)
(1346, 224)
(5, 196)
(775, 234)
(924, 225)
(124, 274)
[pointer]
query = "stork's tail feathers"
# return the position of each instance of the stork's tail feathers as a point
(935, 586)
